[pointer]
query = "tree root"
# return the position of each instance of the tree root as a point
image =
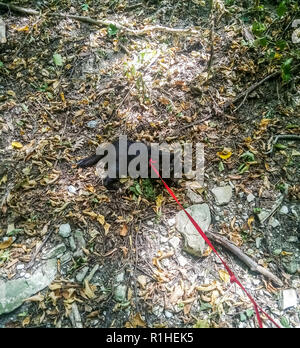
(101, 23)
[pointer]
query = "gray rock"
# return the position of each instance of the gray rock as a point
(119, 278)
(284, 210)
(193, 242)
(250, 198)
(92, 124)
(72, 189)
(222, 194)
(262, 216)
(64, 230)
(81, 274)
(273, 222)
(120, 292)
(174, 242)
(80, 241)
(291, 267)
(92, 273)
(55, 252)
(66, 257)
(288, 298)
(14, 292)
(72, 243)
(75, 316)
(194, 197)
(2, 32)
(182, 260)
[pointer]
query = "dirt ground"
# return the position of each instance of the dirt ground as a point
(66, 86)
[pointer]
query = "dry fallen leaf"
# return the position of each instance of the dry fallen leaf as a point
(142, 280)
(124, 230)
(224, 275)
(6, 244)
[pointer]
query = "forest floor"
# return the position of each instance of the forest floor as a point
(66, 86)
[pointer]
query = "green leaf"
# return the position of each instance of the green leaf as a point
(282, 9)
(248, 156)
(243, 317)
(85, 7)
(112, 30)
(286, 68)
(201, 324)
(280, 146)
(243, 168)
(57, 59)
(1, 64)
(221, 166)
(284, 322)
(258, 28)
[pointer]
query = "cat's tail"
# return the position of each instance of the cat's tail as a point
(89, 161)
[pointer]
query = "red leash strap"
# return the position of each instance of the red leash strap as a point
(203, 235)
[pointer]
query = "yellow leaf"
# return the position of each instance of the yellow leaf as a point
(106, 228)
(89, 289)
(101, 219)
(225, 154)
(224, 275)
(6, 244)
(277, 55)
(62, 96)
(250, 222)
(26, 321)
(3, 180)
(285, 253)
(16, 145)
(26, 28)
(159, 201)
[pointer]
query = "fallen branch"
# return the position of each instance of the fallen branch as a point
(243, 257)
(101, 23)
(282, 136)
(245, 93)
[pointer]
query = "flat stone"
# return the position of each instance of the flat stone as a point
(194, 197)
(250, 198)
(120, 292)
(174, 242)
(64, 230)
(57, 252)
(81, 274)
(14, 292)
(92, 124)
(222, 194)
(288, 298)
(284, 210)
(193, 242)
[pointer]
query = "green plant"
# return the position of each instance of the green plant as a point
(112, 30)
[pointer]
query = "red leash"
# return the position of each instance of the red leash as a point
(233, 278)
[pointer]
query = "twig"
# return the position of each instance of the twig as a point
(245, 93)
(282, 136)
(102, 23)
(39, 249)
(246, 259)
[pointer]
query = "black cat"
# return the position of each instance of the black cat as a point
(121, 149)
